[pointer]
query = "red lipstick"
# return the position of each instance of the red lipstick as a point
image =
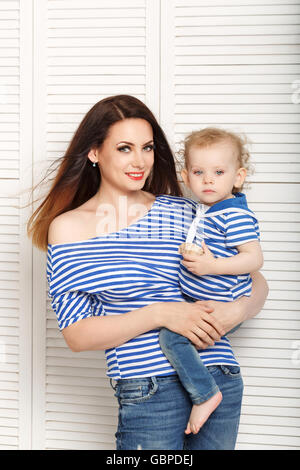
(134, 175)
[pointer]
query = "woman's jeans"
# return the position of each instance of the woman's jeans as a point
(185, 359)
(154, 411)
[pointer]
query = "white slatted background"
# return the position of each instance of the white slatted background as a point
(93, 49)
(9, 326)
(194, 63)
(233, 64)
(15, 250)
(9, 234)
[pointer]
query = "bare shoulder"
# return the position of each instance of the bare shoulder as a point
(64, 228)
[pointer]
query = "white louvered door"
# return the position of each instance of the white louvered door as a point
(195, 63)
(9, 316)
(237, 65)
(85, 51)
(15, 248)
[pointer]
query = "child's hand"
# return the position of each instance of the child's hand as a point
(200, 264)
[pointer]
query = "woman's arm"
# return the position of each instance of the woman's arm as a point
(260, 290)
(203, 322)
(231, 314)
(189, 319)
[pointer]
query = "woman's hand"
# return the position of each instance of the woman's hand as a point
(228, 314)
(194, 321)
(231, 314)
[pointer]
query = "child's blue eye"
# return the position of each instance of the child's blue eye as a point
(219, 172)
(198, 172)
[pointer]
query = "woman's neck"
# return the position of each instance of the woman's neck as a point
(119, 208)
(115, 198)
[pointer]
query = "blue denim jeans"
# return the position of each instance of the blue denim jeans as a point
(154, 411)
(192, 373)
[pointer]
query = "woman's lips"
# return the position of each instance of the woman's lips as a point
(136, 175)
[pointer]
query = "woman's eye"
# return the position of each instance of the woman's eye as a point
(126, 148)
(149, 148)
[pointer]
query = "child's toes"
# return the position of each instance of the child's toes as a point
(195, 429)
(188, 429)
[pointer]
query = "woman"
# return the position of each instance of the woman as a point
(113, 221)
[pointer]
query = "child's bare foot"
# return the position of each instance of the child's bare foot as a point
(200, 413)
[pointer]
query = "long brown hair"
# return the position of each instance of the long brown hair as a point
(77, 181)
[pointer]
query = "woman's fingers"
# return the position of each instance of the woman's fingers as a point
(204, 336)
(196, 322)
(209, 318)
(196, 341)
(209, 329)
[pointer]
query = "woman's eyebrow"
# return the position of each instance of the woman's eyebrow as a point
(131, 143)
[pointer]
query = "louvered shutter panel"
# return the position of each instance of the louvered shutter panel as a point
(15, 248)
(86, 51)
(236, 65)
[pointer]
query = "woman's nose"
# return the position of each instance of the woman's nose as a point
(138, 159)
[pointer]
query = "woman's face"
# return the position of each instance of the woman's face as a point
(126, 156)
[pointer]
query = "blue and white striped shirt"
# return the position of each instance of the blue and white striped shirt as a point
(223, 226)
(116, 273)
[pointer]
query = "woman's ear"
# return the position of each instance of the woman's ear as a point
(240, 177)
(93, 156)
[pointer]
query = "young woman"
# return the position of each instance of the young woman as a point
(112, 223)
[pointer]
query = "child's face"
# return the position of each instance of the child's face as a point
(213, 171)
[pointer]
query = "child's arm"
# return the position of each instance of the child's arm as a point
(249, 259)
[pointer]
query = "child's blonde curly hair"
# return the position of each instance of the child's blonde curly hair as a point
(213, 135)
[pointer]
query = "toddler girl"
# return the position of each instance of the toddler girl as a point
(225, 251)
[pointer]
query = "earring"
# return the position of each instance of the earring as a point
(94, 164)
